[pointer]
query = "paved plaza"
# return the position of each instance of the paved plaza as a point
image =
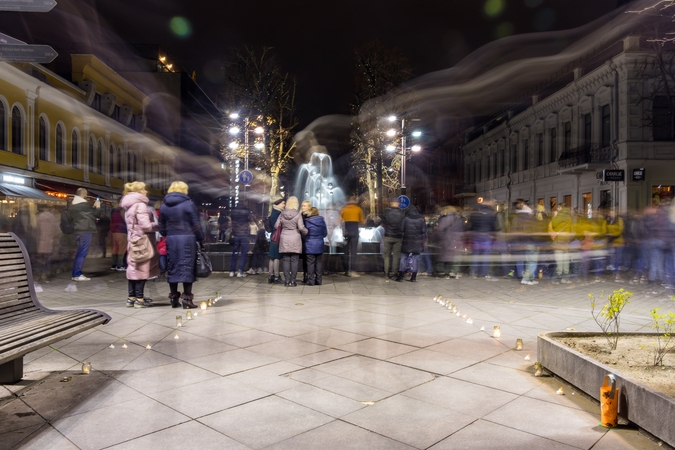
(357, 363)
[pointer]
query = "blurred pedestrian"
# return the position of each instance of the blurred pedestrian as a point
(450, 234)
(240, 217)
(393, 237)
(103, 228)
(482, 227)
(352, 216)
(48, 231)
(83, 216)
(118, 229)
(414, 228)
(274, 255)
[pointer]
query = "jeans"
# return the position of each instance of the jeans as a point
(83, 242)
(391, 246)
(530, 271)
(481, 253)
(656, 259)
(351, 244)
(136, 288)
(162, 263)
(240, 249)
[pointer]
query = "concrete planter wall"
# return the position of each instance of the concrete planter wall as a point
(645, 407)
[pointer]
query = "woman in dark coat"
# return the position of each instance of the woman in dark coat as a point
(414, 228)
(275, 256)
(450, 234)
(316, 232)
(179, 222)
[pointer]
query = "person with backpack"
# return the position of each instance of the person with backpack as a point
(414, 228)
(83, 217)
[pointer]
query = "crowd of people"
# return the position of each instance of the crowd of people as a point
(486, 241)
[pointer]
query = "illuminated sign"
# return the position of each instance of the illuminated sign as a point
(13, 179)
(638, 174)
(57, 194)
(613, 175)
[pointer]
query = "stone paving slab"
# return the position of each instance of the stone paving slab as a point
(357, 363)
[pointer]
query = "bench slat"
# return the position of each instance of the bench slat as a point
(5, 283)
(22, 316)
(4, 268)
(7, 304)
(55, 337)
(48, 329)
(13, 314)
(24, 326)
(13, 255)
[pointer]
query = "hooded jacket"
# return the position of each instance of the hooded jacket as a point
(292, 225)
(414, 228)
(140, 221)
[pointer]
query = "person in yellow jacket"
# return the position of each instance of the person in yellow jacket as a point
(561, 229)
(593, 234)
(352, 216)
(615, 229)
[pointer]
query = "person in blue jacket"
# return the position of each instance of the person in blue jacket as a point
(316, 232)
(179, 222)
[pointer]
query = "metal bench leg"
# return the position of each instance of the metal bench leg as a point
(11, 371)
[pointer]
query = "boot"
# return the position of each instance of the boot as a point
(413, 277)
(187, 301)
(399, 277)
(270, 279)
(175, 300)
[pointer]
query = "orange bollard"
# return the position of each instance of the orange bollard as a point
(609, 402)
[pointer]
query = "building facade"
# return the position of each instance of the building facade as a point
(605, 120)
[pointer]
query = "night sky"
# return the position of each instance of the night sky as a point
(315, 40)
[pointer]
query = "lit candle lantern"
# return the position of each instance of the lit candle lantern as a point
(482, 328)
(496, 332)
(209, 302)
(202, 306)
(124, 346)
(179, 321)
(519, 344)
(188, 315)
(86, 368)
(538, 369)
(148, 347)
(175, 337)
(527, 357)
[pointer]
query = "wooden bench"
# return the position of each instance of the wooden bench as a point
(26, 325)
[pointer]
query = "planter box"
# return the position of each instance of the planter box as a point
(649, 409)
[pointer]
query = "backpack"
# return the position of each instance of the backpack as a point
(268, 225)
(66, 223)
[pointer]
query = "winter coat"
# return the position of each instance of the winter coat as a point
(48, 229)
(523, 230)
(392, 222)
(414, 228)
(482, 222)
(292, 226)
(316, 231)
(83, 216)
(241, 218)
(179, 222)
(140, 221)
(274, 246)
(117, 223)
(450, 236)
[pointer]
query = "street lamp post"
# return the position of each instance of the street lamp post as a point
(404, 149)
(258, 140)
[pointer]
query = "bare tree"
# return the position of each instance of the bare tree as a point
(378, 72)
(257, 87)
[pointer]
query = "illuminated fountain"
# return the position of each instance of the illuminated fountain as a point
(315, 182)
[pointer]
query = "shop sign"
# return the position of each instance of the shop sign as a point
(613, 175)
(13, 179)
(639, 174)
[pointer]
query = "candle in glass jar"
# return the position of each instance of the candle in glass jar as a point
(188, 315)
(496, 332)
(86, 368)
(202, 306)
(519, 344)
(179, 321)
(209, 302)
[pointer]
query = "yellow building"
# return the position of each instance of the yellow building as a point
(57, 135)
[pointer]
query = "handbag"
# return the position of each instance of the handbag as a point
(203, 266)
(276, 236)
(140, 248)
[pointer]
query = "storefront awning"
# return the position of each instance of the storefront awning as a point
(17, 192)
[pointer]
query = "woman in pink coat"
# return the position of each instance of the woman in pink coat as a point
(140, 221)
